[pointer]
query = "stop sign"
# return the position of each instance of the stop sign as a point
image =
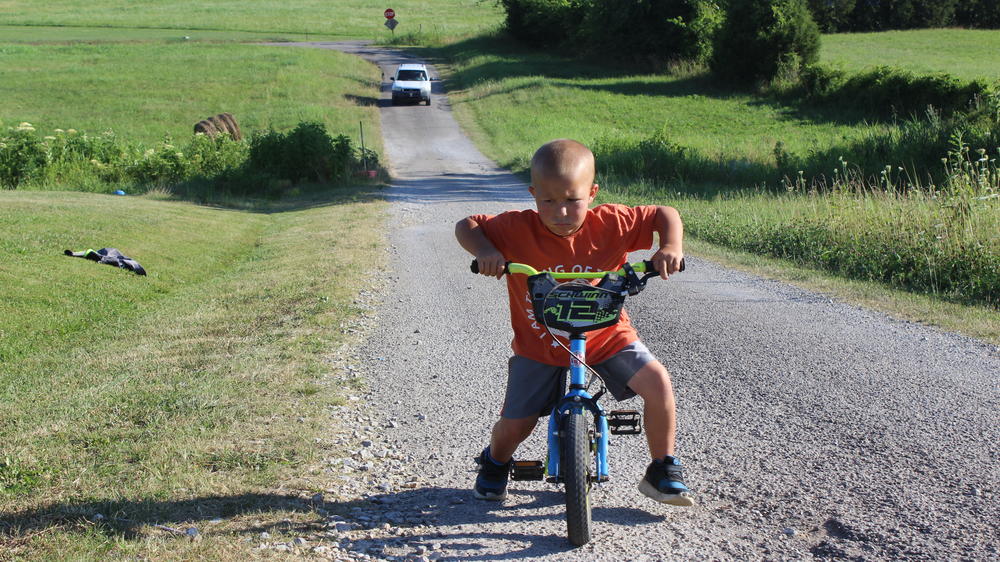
(390, 13)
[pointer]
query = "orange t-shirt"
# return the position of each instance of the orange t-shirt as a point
(608, 234)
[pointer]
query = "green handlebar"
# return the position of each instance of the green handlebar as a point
(520, 268)
(639, 267)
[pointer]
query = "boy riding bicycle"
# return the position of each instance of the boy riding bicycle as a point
(564, 234)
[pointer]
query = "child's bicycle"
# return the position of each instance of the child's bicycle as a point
(578, 449)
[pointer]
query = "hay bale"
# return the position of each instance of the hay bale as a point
(207, 127)
(221, 123)
(231, 127)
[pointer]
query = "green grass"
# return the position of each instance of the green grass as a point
(171, 398)
(72, 34)
(147, 90)
(518, 100)
(964, 53)
(717, 142)
(932, 244)
(973, 321)
(346, 19)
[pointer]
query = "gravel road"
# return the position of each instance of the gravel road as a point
(810, 428)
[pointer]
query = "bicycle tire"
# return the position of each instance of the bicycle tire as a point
(576, 473)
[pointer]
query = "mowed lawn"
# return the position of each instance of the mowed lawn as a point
(143, 91)
(970, 54)
(515, 100)
(343, 18)
(177, 397)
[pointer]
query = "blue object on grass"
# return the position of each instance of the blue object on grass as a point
(119, 192)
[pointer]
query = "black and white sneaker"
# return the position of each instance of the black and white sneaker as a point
(664, 482)
(491, 482)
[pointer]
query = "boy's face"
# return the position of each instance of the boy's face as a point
(562, 202)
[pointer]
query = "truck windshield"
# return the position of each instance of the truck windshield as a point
(411, 75)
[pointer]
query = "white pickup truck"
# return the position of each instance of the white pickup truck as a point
(411, 83)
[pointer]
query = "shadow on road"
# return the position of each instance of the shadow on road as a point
(450, 188)
(456, 522)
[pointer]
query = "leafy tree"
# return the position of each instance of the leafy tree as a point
(651, 29)
(762, 39)
(832, 15)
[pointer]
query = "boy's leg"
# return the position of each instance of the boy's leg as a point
(507, 434)
(664, 478)
(531, 388)
(652, 383)
(495, 460)
(634, 370)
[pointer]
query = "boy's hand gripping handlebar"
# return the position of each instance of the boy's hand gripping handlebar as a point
(645, 266)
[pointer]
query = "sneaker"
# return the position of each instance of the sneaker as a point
(664, 482)
(491, 483)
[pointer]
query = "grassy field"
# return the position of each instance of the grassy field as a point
(41, 34)
(721, 150)
(520, 99)
(182, 398)
(173, 398)
(345, 19)
(165, 87)
(965, 53)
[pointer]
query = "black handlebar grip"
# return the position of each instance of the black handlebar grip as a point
(650, 268)
(474, 267)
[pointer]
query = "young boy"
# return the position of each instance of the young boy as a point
(564, 234)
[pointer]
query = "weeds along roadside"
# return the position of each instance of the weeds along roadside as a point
(938, 238)
(937, 243)
(271, 164)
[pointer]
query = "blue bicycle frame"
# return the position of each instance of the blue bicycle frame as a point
(575, 402)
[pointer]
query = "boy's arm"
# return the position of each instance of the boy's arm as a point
(668, 225)
(470, 236)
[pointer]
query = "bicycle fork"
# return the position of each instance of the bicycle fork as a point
(578, 402)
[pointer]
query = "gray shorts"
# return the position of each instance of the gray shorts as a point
(534, 388)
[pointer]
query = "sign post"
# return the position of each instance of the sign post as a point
(390, 20)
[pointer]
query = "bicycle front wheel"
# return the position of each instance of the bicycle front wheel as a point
(576, 473)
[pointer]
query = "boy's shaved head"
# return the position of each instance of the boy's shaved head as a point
(562, 158)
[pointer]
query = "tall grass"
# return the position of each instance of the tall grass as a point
(939, 240)
(268, 164)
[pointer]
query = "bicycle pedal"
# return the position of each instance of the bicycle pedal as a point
(527, 470)
(624, 422)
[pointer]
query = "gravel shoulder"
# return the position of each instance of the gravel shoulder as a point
(810, 428)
